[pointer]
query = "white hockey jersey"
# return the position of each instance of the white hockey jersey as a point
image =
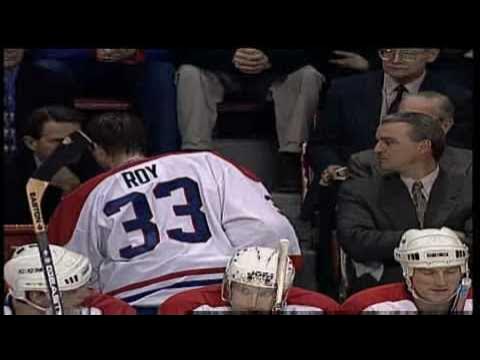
(208, 301)
(157, 226)
(390, 299)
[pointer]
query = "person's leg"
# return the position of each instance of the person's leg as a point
(157, 99)
(198, 93)
(296, 100)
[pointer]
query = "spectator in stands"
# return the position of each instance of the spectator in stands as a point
(249, 286)
(207, 76)
(374, 212)
(27, 87)
(440, 108)
(352, 113)
(355, 105)
(42, 134)
(436, 278)
(145, 77)
(28, 292)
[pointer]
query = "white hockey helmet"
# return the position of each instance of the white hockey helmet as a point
(430, 248)
(24, 272)
(256, 266)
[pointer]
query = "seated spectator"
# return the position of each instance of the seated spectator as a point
(26, 88)
(440, 108)
(436, 278)
(249, 287)
(416, 193)
(28, 292)
(206, 77)
(353, 108)
(42, 134)
(171, 222)
(355, 105)
(144, 77)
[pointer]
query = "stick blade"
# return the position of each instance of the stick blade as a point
(67, 153)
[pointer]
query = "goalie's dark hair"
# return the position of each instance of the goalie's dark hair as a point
(117, 132)
(57, 113)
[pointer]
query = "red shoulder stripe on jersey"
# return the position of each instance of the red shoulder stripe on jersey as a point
(299, 296)
(356, 303)
(167, 277)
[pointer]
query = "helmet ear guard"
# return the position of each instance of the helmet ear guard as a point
(24, 272)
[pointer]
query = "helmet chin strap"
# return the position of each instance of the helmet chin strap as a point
(25, 300)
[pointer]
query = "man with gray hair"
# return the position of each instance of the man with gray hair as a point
(440, 108)
(416, 192)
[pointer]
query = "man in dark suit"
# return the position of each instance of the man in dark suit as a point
(43, 132)
(440, 108)
(355, 105)
(374, 212)
(353, 108)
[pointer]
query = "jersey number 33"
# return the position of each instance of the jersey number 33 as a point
(143, 216)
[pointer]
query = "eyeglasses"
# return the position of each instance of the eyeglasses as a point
(406, 55)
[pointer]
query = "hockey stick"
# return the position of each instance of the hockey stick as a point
(67, 153)
(281, 273)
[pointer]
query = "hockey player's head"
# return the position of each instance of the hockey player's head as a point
(250, 280)
(434, 264)
(118, 135)
(26, 280)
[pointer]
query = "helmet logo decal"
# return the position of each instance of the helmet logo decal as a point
(30, 270)
(261, 276)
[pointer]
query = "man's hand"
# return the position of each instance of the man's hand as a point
(330, 174)
(114, 55)
(350, 60)
(251, 61)
(66, 180)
